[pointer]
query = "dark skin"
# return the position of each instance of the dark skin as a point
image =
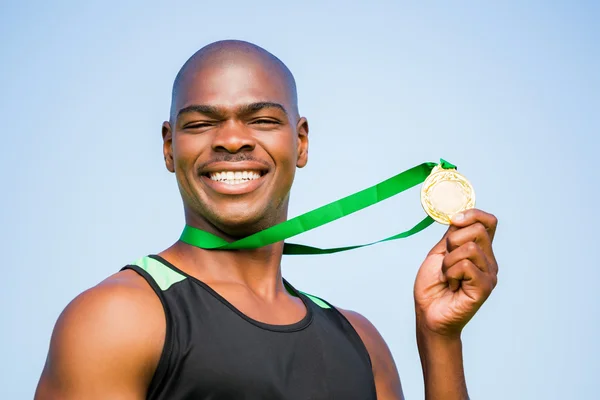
(235, 105)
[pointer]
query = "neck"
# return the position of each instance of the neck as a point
(258, 269)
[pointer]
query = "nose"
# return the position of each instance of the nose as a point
(233, 138)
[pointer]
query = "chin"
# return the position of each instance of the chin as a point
(239, 223)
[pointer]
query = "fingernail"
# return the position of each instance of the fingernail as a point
(458, 217)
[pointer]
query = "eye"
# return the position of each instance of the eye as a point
(198, 125)
(265, 121)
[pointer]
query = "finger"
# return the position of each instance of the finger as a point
(474, 215)
(440, 247)
(466, 272)
(468, 251)
(472, 233)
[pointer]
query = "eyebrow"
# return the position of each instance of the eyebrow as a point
(218, 112)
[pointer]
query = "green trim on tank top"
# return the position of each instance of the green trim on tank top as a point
(164, 276)
(314, 299)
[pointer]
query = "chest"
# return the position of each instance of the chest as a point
(297, 365)
(219, 355)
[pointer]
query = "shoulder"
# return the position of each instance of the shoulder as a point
(370, 336)
(385, 372)
(361, 324)
(124, 298)
(120, 311)
(113, 332)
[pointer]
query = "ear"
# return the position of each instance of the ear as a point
(302, 149)
(167, 135)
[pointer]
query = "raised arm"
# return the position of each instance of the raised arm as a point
(456, 278)
(441, 359)
(454, 281)
(106, 343)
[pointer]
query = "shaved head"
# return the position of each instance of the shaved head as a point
(227, 53)
(234, 109)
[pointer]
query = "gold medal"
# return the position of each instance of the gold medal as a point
(445, 193)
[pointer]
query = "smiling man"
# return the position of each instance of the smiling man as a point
(190, 323)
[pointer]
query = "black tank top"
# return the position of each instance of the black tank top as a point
(214, 351)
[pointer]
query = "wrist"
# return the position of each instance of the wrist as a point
(438, 346)
(442, 364)
(426, 333)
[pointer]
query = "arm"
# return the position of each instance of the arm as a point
(442, 363)
(453, 282)
(105, 344)
(441, 360)
(456, 278)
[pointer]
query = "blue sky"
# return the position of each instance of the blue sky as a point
(507, 91)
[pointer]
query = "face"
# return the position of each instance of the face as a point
(234, 143)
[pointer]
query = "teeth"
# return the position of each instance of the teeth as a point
(234, 178)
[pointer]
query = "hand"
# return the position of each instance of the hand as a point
(458, 274)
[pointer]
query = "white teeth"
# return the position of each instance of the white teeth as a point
(234, 178)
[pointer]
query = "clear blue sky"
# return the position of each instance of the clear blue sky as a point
(507, 91)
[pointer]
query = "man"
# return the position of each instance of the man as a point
(190, 323)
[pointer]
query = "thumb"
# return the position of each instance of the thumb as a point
(441, 247)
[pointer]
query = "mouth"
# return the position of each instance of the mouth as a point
(234, 178)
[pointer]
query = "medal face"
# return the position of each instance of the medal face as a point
(445, 193)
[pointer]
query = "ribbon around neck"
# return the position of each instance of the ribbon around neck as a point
(323, 215)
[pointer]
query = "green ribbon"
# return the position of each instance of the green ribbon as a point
(321, 216)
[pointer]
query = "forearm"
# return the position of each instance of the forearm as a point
(442, 362)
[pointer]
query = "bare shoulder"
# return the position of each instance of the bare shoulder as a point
(387, 380)
(369, 334)
(362, 325)
(121, 306)
(110, 337)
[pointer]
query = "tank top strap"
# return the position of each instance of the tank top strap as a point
(160, 278)
(161, 275)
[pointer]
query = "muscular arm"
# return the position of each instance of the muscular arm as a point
(105, 344)
(441, 361)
